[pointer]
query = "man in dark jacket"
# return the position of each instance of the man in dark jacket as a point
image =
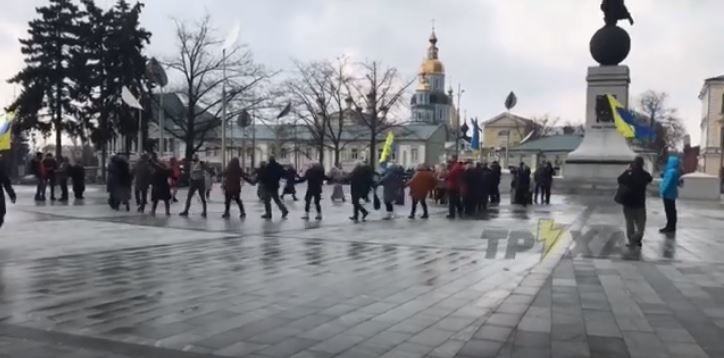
(142, 176)
(50, 166)
(547, 182)
(361, 182)
(5, 187)
(495, 175)
(634, 182)
(315, 178)
(269, 177)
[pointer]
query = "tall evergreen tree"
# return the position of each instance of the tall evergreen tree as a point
(45, 98)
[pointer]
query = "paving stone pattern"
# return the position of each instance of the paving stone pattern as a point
(84, 281)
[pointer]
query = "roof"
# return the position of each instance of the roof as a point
(706, 83)
(506, 115)
(556, 143)
(719, 78)
(412, 132)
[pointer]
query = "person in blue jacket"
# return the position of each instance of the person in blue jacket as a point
(669, 190)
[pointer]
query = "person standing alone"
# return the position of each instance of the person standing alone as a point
(669, 190)
(632, 195)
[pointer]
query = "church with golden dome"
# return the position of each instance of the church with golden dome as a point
(430, 104)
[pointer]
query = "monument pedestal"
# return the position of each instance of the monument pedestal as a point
(603, 154)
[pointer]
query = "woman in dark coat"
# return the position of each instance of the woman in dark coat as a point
(232, 187)
(161, 190)
(291, 177)
(5, 187)
(314, 176)
(77, 175)
(361, 182)
(522, 187)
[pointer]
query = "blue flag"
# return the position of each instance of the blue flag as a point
(475, 141)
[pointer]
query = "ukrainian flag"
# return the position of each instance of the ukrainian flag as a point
(625, 121)
(387, 148)
(6, 127)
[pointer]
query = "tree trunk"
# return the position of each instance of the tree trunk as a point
(373, 149)
(321, 151)
(337, 153)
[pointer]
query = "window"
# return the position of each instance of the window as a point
(413, 155)
(354, 154)
(404, 159)
(284, 153)
(503, 133)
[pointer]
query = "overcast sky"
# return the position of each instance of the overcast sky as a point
(539, 49)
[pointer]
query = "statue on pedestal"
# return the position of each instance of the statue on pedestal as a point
(615, 10)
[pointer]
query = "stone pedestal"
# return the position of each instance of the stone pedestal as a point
(603, 153)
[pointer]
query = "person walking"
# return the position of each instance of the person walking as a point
(454, 181)
(547, 183)
(175, 167)
(232, 187)
(161, 190)
(119, 184)
(669, 190)
(5, 188)
(143, 176)
(269, 177)
(209, 176)
(62, 175)
(522, 185)
(314, 176)
(496, 173)
(50, 166)
(361, 182)
(632, 196)
(290, 176)
(538, 183)
(336, 176)
(196, 184)
(38, 170)
(392, 182)
(421, 184)
(77, 175)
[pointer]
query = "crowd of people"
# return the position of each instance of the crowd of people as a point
(468, 188)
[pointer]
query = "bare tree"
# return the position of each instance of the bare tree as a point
(311, 100)
(375, 94)
(200, 62)
(668, 127)
(544, 126)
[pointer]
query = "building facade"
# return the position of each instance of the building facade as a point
(711, 157)
(503, 132)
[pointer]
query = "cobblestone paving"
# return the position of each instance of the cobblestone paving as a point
(82, 280)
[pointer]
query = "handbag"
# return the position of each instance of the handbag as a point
(622, 194)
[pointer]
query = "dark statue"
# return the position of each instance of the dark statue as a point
(603, 110)
(612, 44)
(615, 10)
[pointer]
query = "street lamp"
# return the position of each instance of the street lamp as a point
(457, 124)
(230, 40)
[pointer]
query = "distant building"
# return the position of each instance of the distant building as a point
(505, 130)
(712, 136)
(554, 149)
(422, 140)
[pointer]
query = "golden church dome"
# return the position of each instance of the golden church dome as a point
(432, 65)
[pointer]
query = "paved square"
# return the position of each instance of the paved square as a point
(81, 280)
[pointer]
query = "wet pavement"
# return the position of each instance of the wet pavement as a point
(81, 280)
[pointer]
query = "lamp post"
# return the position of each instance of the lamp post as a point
(157, 75)
(230, 40)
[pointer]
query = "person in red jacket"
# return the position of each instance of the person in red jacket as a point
(454, 180)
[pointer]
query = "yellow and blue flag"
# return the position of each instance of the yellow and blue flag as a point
(387, 148)
(626, 123)
(6, 126)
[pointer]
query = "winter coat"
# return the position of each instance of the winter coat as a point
(669, 187)
(546, 175)
(315, 178)
(454, 177)
(392, 182)
(636, 180)
(161, 190)
(421, 184)
(361, 180)
(143, 174)
(270, 175)
(496, 174)
(232, 181)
